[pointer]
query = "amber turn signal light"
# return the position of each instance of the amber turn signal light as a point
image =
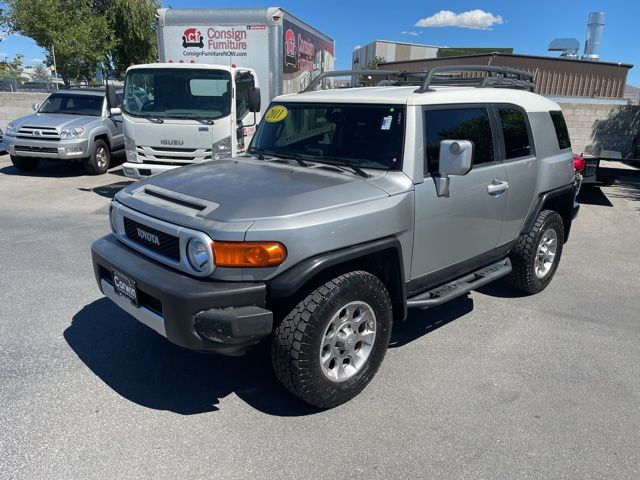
(248, 254)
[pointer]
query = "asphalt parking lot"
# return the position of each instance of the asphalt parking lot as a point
(492, 385)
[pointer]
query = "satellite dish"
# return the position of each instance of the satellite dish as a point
(568, 46)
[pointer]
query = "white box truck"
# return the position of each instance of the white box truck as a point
(218, 69)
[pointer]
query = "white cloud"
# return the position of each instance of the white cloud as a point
(413, 34)
(357, 47)
(474, 19)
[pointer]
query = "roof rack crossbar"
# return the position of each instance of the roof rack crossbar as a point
(496, 76)
(346, 73)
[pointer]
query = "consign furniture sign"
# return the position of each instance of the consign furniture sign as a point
(240, 44)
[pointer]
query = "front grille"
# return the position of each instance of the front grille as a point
(166, 245)
(23, 148)
(38, 133)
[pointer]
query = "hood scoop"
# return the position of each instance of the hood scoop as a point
(178, 202)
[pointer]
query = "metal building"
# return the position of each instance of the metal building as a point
(554, 76)
(391, 52)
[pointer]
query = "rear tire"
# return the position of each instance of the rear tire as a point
(332, 343)
(25, 164)
(100, 159)
(537, 253)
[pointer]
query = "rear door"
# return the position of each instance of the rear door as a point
(519, 157)
(461, 230)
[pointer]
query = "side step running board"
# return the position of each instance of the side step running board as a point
(461, 286)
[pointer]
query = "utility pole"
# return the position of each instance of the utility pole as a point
(55, 67)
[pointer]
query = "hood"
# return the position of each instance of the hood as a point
(55, 120)
(247, 190)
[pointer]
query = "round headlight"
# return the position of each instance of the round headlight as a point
(198, 254)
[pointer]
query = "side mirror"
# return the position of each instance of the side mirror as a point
(115, 111)
(456, 158)
(254, 99)
(112, 102)
(35, 106)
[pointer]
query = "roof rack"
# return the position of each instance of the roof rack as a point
(493, 76)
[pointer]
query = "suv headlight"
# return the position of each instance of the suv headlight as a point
(12, 129)
(130, 150)
(221, 149)
(70, 133)
(198, 254)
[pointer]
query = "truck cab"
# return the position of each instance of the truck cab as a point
(181, 113)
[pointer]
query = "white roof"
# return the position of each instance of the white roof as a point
(201, 66)
(530, 102)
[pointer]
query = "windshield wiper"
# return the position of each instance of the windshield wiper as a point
(261, 152)
(343, 166)
(205, 120)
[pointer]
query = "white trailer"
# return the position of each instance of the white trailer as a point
(196, 104)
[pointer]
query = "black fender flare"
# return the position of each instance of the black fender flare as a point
(562, 199)
(292, 280)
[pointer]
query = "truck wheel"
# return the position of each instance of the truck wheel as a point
(25, 164)
(330, 346)
(537, 253)
(98, 162)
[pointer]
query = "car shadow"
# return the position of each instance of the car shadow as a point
(148, 370)
(421, 321)
(61, 169)
(108, 191)
(593, 195)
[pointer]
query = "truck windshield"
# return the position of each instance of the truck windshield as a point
(369, 136)
(177, 93)
(73, 104)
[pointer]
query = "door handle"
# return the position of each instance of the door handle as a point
(496, 187)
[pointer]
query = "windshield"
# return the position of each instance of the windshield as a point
(177, 93)
(73, 104)
(368, 136)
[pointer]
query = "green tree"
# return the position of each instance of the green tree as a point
(372, 65)
(11, 68)
(80, 37)
(134, 24)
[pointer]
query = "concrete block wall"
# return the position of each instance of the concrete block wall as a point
(596, 127)
(17, 104)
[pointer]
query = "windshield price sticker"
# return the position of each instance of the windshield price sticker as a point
(386, 123)
(277, 113)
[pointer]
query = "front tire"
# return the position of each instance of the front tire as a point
(25, 164)
(100, 159)
(332, 343)
(537, 253)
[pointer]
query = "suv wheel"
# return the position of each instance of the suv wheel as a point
(537, 253)
(25, 164)
(332, 343)
(98, 162)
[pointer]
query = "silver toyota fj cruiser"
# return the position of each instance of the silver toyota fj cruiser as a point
(71, 125)
(351, 206)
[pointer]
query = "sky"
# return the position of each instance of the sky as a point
(527, 27)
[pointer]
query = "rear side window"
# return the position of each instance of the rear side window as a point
(516, 136)
(458, 124)
(561, 129)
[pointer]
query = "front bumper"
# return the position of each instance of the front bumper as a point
(144, 170)
(198, 314)
(52, 149)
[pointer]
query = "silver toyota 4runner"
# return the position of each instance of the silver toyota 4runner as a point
(71, 125)
(351, 206)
